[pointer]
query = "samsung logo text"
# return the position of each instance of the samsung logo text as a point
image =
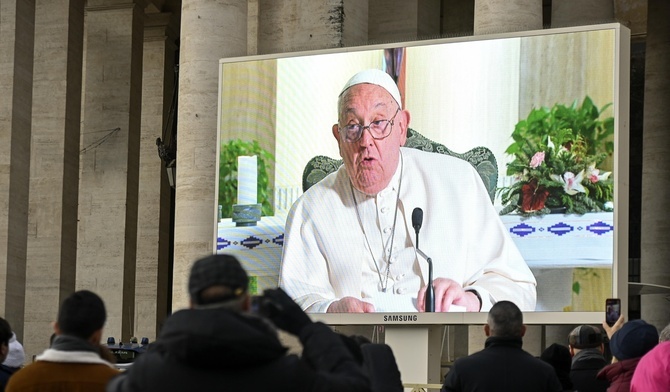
(401, 317)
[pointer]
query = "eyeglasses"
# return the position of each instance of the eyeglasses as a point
(379, 129)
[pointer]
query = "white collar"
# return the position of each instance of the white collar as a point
(51, 355)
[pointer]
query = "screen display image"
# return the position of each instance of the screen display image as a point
(612, 310)
(541, 117)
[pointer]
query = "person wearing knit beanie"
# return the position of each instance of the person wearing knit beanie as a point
(628, 345)
(633, 340)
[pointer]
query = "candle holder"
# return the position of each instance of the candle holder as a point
(246, 214)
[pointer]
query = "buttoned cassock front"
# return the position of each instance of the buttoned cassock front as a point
(326, 256)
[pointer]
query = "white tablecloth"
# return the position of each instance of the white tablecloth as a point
(564, 241)
(257, 247)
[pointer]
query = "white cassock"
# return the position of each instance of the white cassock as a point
(330, 254)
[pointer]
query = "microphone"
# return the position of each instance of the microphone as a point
(417, 221)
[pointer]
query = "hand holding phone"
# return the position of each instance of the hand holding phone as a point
(612, 310)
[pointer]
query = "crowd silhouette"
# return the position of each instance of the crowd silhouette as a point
(223, 343)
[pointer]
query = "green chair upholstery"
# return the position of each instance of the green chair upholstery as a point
(481, 158)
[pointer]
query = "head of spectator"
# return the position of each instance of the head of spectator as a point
(82, 315)
(5, 335)
(558, 356)
(664, 336)
(219, 281)
(633, 340)
(585, 337)
(16, 356)
(505, 320)
(371, 129)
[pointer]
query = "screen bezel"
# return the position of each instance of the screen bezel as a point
(621, 189)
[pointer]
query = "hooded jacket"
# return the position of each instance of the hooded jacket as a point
(653, 372)
(217, 349)
(585, 367)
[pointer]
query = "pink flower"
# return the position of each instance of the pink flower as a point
(537, 159)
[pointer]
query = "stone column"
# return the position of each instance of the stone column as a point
(580, 12)
(655, 247)
(252, 27)
(154, 201)
(54, 167)
(306, 25)
(420, 19)
(17, 28)
(110, 137)
(210, 30)
(457, 17)
(502, 16)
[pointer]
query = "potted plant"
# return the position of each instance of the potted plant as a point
(228, 174)
(558, 155)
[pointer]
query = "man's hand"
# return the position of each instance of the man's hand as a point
(350, 305)
(277, 306)
(617, 326)
(448, 292)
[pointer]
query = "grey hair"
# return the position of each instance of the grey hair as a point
(664, 336)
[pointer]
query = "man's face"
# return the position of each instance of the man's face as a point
(370, 163)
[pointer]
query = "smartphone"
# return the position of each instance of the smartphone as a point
(612, 310)
(256, 304)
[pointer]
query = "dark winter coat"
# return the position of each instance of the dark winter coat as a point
(501, 366)
(585, 367)
(216, 350)
(619, 374)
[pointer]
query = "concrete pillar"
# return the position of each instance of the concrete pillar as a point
(420, 19)
(17, 28)
(54, 167)
(632, 14)
(457, 17)
(293, 25)
(655, 247)
(502, 16)
(210, 30)
(557, 334)
(532, 340)
(252, 27)
(580, 12)
(110, 137)
(154, 201)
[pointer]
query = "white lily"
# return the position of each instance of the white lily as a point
(571, 184)
(594, 174)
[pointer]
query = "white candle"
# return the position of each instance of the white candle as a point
(247, 183)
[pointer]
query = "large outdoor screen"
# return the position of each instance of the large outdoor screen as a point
(551, 106)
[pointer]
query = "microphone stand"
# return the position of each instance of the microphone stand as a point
(430, 291)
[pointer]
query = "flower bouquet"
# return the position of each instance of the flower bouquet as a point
(558, 154)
